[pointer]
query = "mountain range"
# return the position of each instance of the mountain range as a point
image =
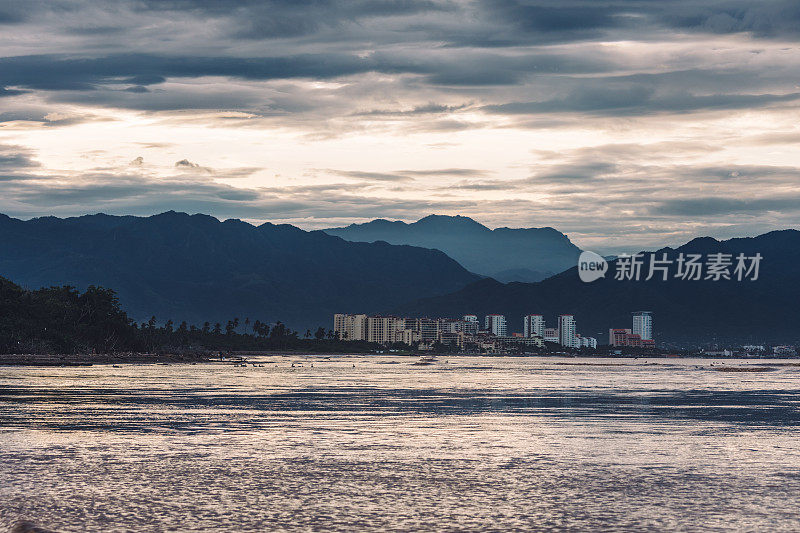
(196, 268)
(505, 254)
(685, 311)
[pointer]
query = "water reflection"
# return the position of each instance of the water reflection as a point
(504, 443)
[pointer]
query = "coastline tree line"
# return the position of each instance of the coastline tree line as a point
(65, 320)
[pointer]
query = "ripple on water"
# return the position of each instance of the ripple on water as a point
(473, 444)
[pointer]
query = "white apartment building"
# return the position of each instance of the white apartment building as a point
(566, 331)
(471, 325)
(407, 336)
(350, 327)
(587, 342)
(496, 325)
(449, 325)
(533, 325)
(428, 329)
(643, 324)
(384, 329)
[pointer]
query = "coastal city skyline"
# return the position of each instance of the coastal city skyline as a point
(493, 336)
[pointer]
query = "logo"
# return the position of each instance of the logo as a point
(591, 266)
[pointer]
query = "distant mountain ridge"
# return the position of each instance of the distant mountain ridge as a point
(506, 254)
(196, 268)
(685, 312)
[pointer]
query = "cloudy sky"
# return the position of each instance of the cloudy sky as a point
(625, 124)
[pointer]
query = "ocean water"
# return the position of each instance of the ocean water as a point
(377, 443)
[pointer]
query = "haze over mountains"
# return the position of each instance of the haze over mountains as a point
(196, 268)
(505, 254)
(765, 310)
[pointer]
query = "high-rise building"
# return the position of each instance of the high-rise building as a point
(533, 325)
(428, 329)
(350, 327)
(496, 325)
(566, 331)
(384, 329)
(643, 324)
(449, 325)
(471, 325)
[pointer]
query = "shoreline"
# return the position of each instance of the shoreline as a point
(85, 360)
(59, 360)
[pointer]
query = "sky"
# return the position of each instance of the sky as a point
(627, 125)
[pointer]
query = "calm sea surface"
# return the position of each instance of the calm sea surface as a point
(366, 443)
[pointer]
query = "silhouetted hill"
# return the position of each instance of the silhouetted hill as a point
(505, 254)
(193, 268)
(765, 310)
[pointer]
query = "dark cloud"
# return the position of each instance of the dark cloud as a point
(186, 165)
(774, 18)
(445, 172)
(13, 158)
(96, 31)
(407, 175)
(57, 72)
(133, 193)
(585, 19)
(10, 92)
(327, 40)
(136, 72)
(427, 109)
(710, 206)
(371, 176)
(268, 19)
(126, 188)
(574, 171)
(638, 100)
(12, 12)
(578, 20)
